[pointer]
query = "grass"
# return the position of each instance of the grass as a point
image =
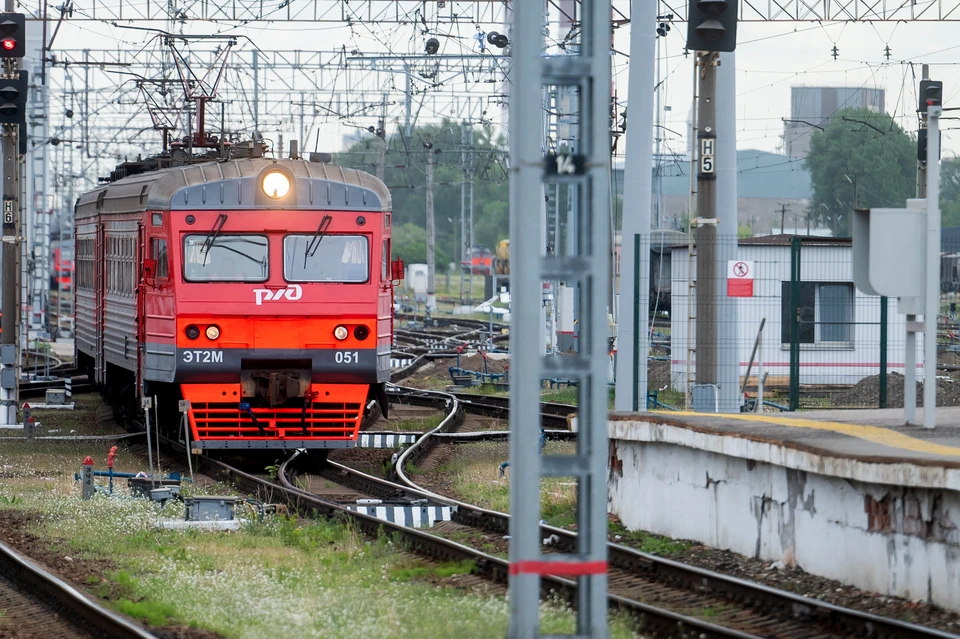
(417, 570)
(649, 542)
(419, 424)
(476, 480)
(281, 577)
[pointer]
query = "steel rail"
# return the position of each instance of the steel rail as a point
(786, 604)
(669, 623)
(74, 607)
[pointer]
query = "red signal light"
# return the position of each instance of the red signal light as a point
(8, 43)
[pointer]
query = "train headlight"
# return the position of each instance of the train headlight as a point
(341, 333)
(192, 332)
(275, 184)
(213, 332)
(361, 332)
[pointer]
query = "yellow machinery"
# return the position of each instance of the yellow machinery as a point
(503, 258)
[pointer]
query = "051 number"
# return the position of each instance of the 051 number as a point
(347, 357)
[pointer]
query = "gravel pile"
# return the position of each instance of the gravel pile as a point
(867, 392)
(658, 374)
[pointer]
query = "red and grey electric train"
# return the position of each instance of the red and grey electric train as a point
(260, 290)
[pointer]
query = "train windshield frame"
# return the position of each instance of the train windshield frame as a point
(231, 257)
(336, 259)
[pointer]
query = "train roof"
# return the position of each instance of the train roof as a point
(233, 185)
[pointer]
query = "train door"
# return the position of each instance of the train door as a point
(141, 314)
(100, 292)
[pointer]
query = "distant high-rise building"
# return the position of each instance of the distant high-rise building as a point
(812, 107)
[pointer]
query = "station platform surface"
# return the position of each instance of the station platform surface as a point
(868, 445)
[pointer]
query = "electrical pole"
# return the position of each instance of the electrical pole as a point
(632, 328)
(931, 311)
(728, 316)
(464, 252)
(531, 266)
(783, 217)
(706, 235)
(431, 231)
(910, 346)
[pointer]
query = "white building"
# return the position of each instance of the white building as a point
(840, 326)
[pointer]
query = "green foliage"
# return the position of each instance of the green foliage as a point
(273, 469)
(154, 613)
(863, 149)
(744, 231)
(418, 570)
(405, 176)
(950, 192)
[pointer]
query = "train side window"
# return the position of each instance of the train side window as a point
(385, 261)
(386, 221)
(157, 219)
(158, 251)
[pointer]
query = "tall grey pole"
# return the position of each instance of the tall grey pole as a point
(589, 70)
(728, 346)
(637, 196)
(470, 183)
(910, 344)
(431, 231)
(526, 123)
(464, 248)
(706, 236)
(931, 309)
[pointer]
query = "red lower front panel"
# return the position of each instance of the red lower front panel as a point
(217, 419)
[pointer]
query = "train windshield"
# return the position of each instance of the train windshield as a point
(230, 258)
(337, 258)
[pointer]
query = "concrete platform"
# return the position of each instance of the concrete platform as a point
(851, 495)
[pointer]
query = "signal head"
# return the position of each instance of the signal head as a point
(12, 35)
(433, 45)
(712, 25)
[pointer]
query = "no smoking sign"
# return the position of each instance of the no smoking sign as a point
(740, 276)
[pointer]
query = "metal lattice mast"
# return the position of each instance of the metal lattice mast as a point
(530, 268)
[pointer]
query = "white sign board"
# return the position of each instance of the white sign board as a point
(740, 276)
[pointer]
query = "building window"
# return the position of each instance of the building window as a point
(826, 313)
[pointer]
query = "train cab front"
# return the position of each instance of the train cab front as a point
(282, 325)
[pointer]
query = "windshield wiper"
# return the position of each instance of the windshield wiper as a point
(316, 239)
(212, 236)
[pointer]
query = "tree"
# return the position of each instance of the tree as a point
(950, 192)
(860, 152)
(405, 176)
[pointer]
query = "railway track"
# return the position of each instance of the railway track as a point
(737, 605)
(37, 604)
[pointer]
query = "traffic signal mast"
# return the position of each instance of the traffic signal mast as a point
(13, 109)
(711, 29)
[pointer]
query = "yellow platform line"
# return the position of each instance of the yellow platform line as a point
(875, 434)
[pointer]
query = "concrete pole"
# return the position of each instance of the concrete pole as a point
(910, 346)
(431, 231)
(706, 235)
(637, 195)
(931, 309)
(728, 346)
(464, 248)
